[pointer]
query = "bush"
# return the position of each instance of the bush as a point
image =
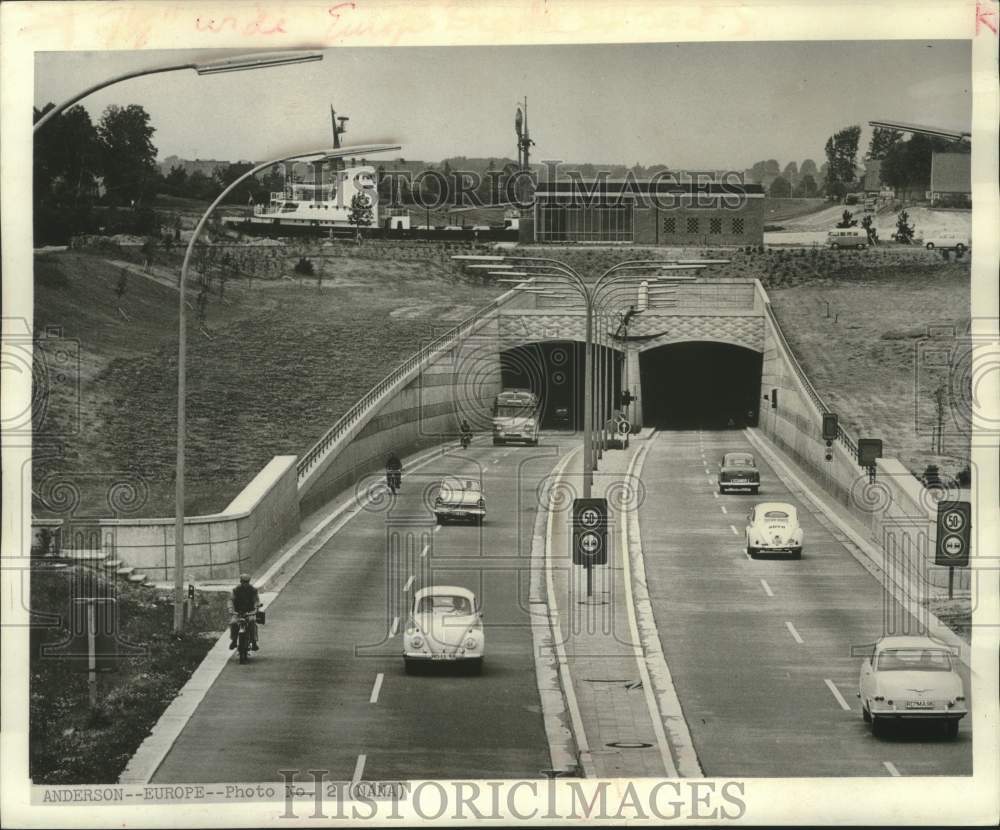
(304, 267)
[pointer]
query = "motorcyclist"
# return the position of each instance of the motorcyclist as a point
(242, 600)
(465, 431)
(394, 470)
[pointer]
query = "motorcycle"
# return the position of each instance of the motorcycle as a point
(466, 440)
(245, 624)
(393, 480)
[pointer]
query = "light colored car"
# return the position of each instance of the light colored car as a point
(911, 678)
(739, 472)
(773, 528)
(946, 241)
(460, 499)
(446, 626)
(847, 238)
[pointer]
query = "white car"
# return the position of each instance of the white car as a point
(911, 678)
(773, 528)
(460, 499)
(446, 626)
(946, 241)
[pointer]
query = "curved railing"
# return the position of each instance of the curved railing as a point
(380, 389)
(845, 438)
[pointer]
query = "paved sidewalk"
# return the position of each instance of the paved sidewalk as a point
(613, 704)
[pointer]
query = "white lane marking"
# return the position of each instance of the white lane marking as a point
(734, 530)
(408, 584)
(723, 508)
(836, 693)
(795, 634)
(767, 588)
(710, 479)
(576, 719)
(715, 494)
(359, 769)
(424, 551)
(889, 765)
(436, 528)
(394, 628)
(376, 688)
(496, 460)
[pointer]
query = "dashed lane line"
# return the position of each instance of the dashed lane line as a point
(767, 588)
(795, 634)
(722, 507)
(889, 765)
(423, 553)
(376, 688)
(359, 769)
(409, 584)
(437, 528)
(836, 693)
(734, 530)
(394, 628)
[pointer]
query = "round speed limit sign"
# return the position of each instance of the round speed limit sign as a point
(590, 543)
(953, 546)
(954, 521)
(590, 517)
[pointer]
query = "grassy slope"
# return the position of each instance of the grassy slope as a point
(779, 210)
(284, 363)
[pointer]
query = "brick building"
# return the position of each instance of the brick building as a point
(647, 212)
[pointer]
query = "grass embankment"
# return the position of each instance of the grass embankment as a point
(781, 210)
(72, 743)
(275, 367)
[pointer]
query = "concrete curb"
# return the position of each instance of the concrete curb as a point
(562, 745)
(151, 752)
(867, 553)
(646, 633)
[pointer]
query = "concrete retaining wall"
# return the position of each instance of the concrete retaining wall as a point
(898, 511)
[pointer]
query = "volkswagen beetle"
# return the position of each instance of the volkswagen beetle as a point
(773, 527)
(911, 678)
(445, 626)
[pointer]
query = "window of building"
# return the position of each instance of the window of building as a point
(670, 225)
(692, 224)
(737, 226)
(715, 226)
(585, 223)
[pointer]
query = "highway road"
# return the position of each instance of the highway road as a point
(328, 689)
(760, 650)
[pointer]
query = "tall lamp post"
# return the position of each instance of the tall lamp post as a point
(314, 156)
(257, 60)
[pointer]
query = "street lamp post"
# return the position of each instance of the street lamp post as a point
(257, 60)
(315, 156)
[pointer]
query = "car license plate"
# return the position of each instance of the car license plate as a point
(443, 657)
(920, 704)
(738, 481)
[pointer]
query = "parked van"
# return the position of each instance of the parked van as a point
(847, 238)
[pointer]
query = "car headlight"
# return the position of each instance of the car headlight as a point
(416, 641)
(471, 643)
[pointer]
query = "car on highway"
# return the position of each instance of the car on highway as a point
(946, 241)
(446, 626)
(773, 528)
(738, 471)
(911, 678)
(460, 499)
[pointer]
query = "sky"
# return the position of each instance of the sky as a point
(689, 106)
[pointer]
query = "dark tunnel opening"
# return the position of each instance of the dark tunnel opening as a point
(700, 386)
(554, 371)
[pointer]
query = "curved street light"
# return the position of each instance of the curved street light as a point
(313, 156)
(257, 60)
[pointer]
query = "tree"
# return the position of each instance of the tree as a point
(841, 156)
(847, 220)
(882, 142)
(225, 176)
(360, 215)
(808, 168)
(176, 181)
(904, 230)
(791, 172)
(806, 187)
(907, 164)
(128, 154)
(780, 188)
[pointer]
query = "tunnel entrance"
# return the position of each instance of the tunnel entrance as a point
(700, 386)
(554, 371)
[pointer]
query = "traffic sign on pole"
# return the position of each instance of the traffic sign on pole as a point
(954, 533)
(590, 531)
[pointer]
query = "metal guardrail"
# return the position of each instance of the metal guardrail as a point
(376, 393)
(843, 436)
